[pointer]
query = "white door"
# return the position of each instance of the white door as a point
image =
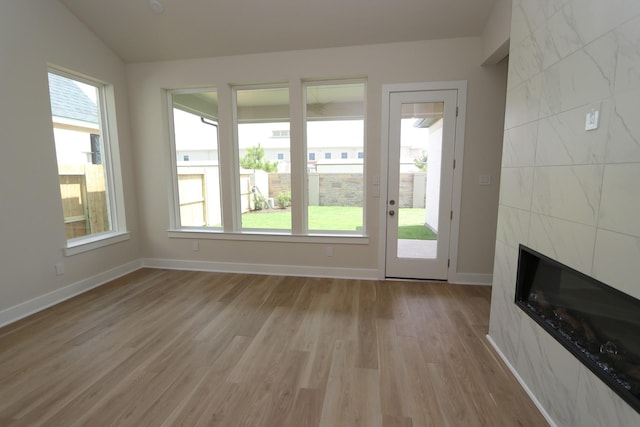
(422, 126)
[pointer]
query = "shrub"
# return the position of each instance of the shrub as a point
(259, 202)
(284, 199)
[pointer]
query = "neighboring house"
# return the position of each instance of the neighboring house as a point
(335, 146)
(75, 122)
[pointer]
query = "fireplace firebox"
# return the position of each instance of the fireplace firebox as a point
(598, 324)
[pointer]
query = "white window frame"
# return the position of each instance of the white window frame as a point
(175, 221)
(363, 233)
(232, 229)
(237, 223)
(111, 161)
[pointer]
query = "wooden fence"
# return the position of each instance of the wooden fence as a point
(193, 208)
(84, 200)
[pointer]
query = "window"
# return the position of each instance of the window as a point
(256, 180)
(197, 183)
(264, 182)
(360, 155)
(91, 193)
(334, 115)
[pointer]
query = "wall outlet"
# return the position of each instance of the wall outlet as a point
(195, 246)
(59, 268)
(329, 251)
(484, 180)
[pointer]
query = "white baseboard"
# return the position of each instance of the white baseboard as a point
(524, 385)
(281, 270)
(470, 279)
(27, 308)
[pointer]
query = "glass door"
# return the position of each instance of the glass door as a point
(421, 147)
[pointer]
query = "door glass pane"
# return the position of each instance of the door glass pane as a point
(419, 192)
(335, 146)
(195, 124)
(265, 157)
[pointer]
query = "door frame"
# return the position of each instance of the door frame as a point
(461, 87)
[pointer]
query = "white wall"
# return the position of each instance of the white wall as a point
(496, 34)
(568, 193)
(34, 33)
(454, 59)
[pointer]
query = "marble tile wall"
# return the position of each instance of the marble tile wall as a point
(571, 194)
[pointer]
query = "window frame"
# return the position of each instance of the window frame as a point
(330, 82)
(110, 158)
(175, 221)
(232, 227)
(237, 202)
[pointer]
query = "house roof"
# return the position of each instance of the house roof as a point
(69, 101)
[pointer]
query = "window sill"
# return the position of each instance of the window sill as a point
(257, 236)
(85, 244)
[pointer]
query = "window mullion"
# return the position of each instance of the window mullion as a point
(229, 168)
(298, 159)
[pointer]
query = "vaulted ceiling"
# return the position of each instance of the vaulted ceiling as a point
(209, 28)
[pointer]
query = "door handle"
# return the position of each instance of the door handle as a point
(392, 213)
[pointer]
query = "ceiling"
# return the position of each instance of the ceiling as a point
(209, 28)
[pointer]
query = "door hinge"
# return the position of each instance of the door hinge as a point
(454, 163)
(457, 111)
(449, 263)
(451, 217)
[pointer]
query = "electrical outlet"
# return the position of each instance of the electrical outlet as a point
(59, 268)
(329, 251)
(195, 246)
(484, 180)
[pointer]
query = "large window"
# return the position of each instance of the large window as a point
(263, 146)
(335, 122)
(261, 151)
(197, 175)
(92, 209)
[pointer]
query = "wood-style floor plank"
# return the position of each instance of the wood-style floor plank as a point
(180, 348)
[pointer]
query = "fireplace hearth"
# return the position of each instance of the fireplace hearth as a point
(598, 324)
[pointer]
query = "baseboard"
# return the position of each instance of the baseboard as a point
(524, 385)
(470, 279)
(27, 308)
(281, 270)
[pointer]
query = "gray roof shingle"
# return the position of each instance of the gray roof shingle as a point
(69, 101)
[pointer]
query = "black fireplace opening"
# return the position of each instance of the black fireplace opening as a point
(600, 325)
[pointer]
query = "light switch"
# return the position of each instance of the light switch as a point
(593, 117)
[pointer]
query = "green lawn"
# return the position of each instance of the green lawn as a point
(339, 218)
(411, 225)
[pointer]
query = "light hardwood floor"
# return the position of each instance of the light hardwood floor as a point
(175, 348)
